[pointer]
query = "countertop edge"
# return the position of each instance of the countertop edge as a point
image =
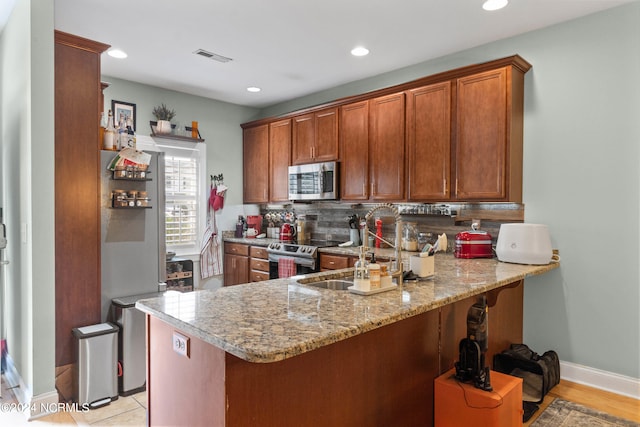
(309, 345)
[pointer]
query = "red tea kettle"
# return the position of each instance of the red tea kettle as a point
(287, 232)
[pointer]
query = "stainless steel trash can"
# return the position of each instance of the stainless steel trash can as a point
(97, 370)
(131, 343)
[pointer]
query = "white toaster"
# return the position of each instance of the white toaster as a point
(524, 244)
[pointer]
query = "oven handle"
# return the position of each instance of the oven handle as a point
(305, 262)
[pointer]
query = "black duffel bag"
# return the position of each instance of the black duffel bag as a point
(539, 373)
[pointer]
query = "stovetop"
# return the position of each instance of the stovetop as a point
(309, 250)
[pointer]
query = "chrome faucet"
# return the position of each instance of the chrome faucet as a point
(398, 271)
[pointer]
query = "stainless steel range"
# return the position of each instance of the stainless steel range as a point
(305, 257)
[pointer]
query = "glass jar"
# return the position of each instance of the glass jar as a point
(423, 239)
(410, 237)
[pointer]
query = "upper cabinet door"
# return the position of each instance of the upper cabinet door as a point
(481, 138)
(354, 151)
(386, 145)
(279, 159)
(429, 142)
(256, 164)
(315, 137)
(326, 146)
(303, 139)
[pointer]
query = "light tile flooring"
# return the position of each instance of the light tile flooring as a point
(125, 411)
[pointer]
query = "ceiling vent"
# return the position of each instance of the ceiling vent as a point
(212, 55)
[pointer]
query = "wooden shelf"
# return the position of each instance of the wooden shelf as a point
(178, 137)
(152, 125)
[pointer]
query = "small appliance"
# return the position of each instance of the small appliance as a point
(524, 244)
(315, 181)
(473, 244)
(287, 232)
(471, 366)
(255, 222)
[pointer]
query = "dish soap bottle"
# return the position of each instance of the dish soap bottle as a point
(374, 273)
(361, 273)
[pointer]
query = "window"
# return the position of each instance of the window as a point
(181, 201)
(185, 192)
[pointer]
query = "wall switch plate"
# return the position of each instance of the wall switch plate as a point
(181, 344)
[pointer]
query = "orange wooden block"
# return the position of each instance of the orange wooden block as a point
(461, 404)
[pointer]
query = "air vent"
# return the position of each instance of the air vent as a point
(212, 55)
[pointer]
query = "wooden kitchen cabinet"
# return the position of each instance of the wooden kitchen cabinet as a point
(354, 151)
(255, 151)
(315, 137)
(77, 189)
(279, 160)
(334, 262)
(460, 139)
(429, 142)
(488, 145)
(236, 263)
(258, 264)
(387, 147)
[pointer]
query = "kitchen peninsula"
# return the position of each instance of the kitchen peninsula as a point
(279, 353)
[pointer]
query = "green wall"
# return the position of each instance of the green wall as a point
(581, 177)
(218, 123)
(27, 143)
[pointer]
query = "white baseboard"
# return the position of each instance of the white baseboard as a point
(603, 380)
(40, 405)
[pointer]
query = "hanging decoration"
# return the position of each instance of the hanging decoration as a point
(211, 253)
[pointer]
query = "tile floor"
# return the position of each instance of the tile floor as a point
(125, 411)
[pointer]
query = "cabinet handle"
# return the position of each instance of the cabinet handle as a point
(364, 189)
(444, 186)
(331, 262)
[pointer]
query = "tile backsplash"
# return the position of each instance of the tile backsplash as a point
(329, 220)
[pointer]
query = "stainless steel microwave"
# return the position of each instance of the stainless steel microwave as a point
(315, 181)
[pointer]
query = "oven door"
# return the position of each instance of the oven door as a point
(303, 265)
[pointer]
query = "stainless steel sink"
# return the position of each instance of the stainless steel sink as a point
(333, 284)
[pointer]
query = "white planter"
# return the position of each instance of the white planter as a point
(163, 126)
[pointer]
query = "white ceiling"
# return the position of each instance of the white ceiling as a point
(292, 48)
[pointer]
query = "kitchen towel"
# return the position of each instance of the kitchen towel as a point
(286, 267)
(211, 252)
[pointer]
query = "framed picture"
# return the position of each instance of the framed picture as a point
(126, 109)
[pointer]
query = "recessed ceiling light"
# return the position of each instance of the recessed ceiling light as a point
(253, 89)
(359, 51)
(117, 53)
(494, 4)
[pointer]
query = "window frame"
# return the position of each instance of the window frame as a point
(197, 150)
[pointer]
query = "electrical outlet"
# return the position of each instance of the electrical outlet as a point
(181, 344)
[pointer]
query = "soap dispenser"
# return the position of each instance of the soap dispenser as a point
(361, 273)
(374, 273)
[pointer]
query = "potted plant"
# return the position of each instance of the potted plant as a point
(163, 115)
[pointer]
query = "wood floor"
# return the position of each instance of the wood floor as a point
(614, 404)
(127, 411)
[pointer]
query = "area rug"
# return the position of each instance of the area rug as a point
(561, 413)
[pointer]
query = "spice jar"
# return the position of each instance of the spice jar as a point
(118, 198)
(141, 199)
(120, 172)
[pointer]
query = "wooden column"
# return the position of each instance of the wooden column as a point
(77, 188)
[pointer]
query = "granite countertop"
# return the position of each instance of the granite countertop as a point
(276, 319)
